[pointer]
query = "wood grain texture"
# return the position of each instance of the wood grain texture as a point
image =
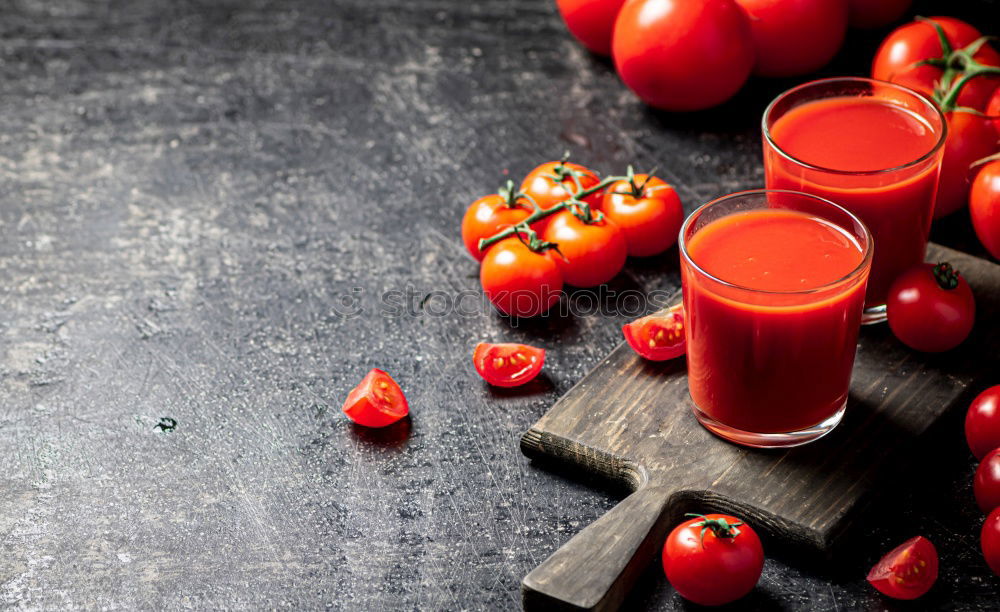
(630, 420)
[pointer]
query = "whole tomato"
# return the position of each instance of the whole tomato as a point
(592, 253)
(971, 137)
(591, 21)
(986, 484)
(553, 182)
(984, 206)
(490, 214)
(931, 308)
(795, 37)
(647, 210)
(683, 55)
(989, 540)
(993, 109)
(713, 559)
(982, 422)
(875, 13)
(916, 41)
(520, 282)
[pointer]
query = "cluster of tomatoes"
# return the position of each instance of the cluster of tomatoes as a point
(982, 432)
(565, 225)
(683, 55)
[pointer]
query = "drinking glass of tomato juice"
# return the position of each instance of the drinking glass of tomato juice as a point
(774, 287)
(873, 147)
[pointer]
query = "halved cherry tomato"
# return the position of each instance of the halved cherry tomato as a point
(982, 422)
(593, 253)
(908, 571)
(984, 205)
(377, 401)
(931, 308)
(659, 336)
(591, 21)
(508, 364)
(519, 281)
(553, 182)
(647, 210)
(989, 540)
(490, 214)
(986, 484)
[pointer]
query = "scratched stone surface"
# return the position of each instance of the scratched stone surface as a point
(216, 217)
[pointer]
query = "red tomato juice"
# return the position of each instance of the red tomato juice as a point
(770, 347)
(853, 144)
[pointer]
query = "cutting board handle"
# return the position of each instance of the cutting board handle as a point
(596, 569)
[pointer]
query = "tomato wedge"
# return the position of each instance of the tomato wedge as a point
(509, 364)
(659, 336)
(377, 401)
(908, 571)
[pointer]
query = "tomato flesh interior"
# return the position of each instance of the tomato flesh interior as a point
(908, 571)
(377, 401)
(508, 364)
(659, 336)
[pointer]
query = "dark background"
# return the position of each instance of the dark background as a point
(193, 198)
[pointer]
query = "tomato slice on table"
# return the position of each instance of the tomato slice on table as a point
(377, 401)
(659, 336)
(908, 571)
(508, 364)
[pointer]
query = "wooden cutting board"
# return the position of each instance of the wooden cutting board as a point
(630, 420)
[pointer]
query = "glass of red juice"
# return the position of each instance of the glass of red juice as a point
(774, 288)
(873, 147)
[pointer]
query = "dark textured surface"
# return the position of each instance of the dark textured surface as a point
(191, 193)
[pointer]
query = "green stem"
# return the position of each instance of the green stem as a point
(946, 276)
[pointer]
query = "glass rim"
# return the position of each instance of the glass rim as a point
(866, 256)
(922, 98)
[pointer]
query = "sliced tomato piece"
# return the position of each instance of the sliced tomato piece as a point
(508, 364)
(908, 571)
(377, 401)
(659, 336)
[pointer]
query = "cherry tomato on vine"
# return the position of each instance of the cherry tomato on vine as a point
(875, 13)
(984, 206)
(982, 422)
(659, 336)
(970, 138)
(683, 55)
(931, 308)
(986, 484)
(648, 212)
(908, 571)
(490, 214)
(507, 365)
(591, 21)
(520, 282)
(989, 541)
(553, 182)
(377, 401)
(795, 37)
(916, 41)
(592, 253)
(713, 559)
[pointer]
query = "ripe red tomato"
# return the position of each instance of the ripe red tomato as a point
(487, 216)
(931, 308)
(993, 109)
(982, 422)
(553, 182)
(986, 484)
(989, 540)
(970, 138)
(984, 206)
(795, 37)
(647, 210)
(908, 571)
(377, 401)
(875, 13)
(519, 281)
(683, 55)
(591, 21)
(593, 253)
(713, 559)
(659, 336)
(918, 40)
(507, 365)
